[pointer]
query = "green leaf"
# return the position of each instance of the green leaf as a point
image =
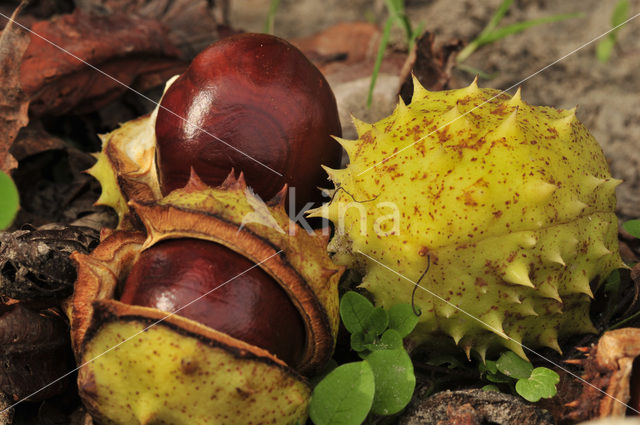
(604, 48)
(391, 340)
(360, 341)
(620, 13)
(497, 16)
(488, 366)
(344, 397)
(354, 311)
(632, 227)
(394, 380)
(490, 387)
(491, 33)
(541, 384)
(377, 321)
(514, 366)
(9, 201)
(402, 319)
(492, 374)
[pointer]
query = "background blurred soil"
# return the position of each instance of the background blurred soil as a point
(607, 94)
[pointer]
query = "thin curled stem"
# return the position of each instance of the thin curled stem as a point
(352, 197)
(418, 312)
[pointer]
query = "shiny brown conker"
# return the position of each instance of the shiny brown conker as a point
(255, 103)
(241, 299)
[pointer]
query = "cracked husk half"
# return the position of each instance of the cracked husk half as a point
(512, 205)
(141, 366)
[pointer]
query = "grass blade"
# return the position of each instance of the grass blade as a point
(604, 48)
(381, 49)
(271, 15)
(497, 16)
(521, 26)
(396, 11)
(493, 23)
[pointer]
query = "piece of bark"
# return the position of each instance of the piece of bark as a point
(14, 103)
(35, 264)
(431, 65)
(609, 369)
(35, 353)
(471, 407)
(191, 24)
(126, 48)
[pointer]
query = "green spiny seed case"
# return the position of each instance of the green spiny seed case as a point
(511, 204)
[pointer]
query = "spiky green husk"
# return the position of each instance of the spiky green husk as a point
(511, 203)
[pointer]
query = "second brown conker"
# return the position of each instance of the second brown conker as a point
(213, 285)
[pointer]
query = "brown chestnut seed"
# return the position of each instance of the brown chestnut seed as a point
(251, 307)
(261, 95)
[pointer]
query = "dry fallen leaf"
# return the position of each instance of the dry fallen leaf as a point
(430, 64)
(13, 102)
(191, 24)
(126, 48)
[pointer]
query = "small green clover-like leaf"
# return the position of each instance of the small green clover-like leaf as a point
(360, 341)
(488, 366)
(376, 322)
(541, 384)
(490, 387)
(492, 374)
(394, 380)
(390, 340)
(9, 200)
(354, 311)
(632, 227)
(344, 396)
(514, 366)
(402, 319)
